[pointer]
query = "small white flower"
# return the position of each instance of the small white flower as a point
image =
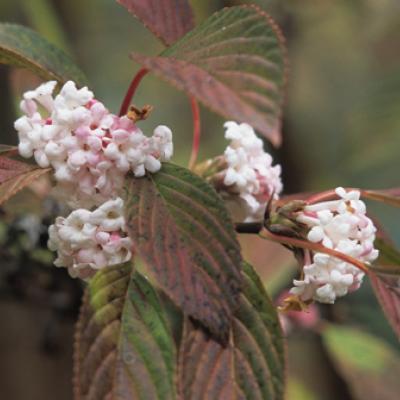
(162, 142)
(42, 95)
(70, 97)
(109, 216)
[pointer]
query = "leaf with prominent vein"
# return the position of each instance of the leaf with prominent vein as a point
(10, 168)
(385, 280)
(169, 20)
(234, 63)
(24, 48)
(124, 348)
(258, 342)
(181, 229)
(250, 367)
(15, 175)
(206, 368)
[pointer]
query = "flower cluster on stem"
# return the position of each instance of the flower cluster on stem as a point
(246, 174)
(89, 148)
(341, 225)
(87, 241)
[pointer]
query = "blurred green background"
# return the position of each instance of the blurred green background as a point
(341, 127)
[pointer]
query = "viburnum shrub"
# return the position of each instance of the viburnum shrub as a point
(201, 324)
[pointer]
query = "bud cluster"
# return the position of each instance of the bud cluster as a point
(89, 148)
(86, 240)
(341, 225)
(248, 172)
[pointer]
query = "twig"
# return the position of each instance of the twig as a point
(131, 91)
(196, 132)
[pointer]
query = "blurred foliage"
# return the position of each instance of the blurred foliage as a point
(341, 127)
(366, 363)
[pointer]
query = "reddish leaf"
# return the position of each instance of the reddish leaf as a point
(182, 230)
(207, 367)
(169, 20)
(234, 63)
(385, 280)
(387, 290)
(10, 168)
(250, 367)
(15, 175)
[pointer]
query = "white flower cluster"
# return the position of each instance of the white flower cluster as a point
(249, 170)
(86, 241)
(89, 148)
(341, 225)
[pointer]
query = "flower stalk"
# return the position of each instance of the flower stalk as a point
(132, 90)
(196, 132)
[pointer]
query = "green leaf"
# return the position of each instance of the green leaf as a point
(370, 367)
(125, 350)
(234, 63)
(167, 19)
(258, 341)
(252, 365)
(124, 347)
(24, 48)
(181, 229)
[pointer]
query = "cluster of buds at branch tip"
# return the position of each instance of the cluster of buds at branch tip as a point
(332, 240)
(244, 174)
(90, 150)
(340, 225)
(212, 170)
(87, 241)
(282, 220)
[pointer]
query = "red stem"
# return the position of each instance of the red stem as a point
(323, 196)
(131, 91)
(314, 247)
(369, 194)
(196, 132)
(329, 195)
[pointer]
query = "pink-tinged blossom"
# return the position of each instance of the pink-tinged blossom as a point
(87, 241)
(249, 172)
(89, 148)
(341, 225)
